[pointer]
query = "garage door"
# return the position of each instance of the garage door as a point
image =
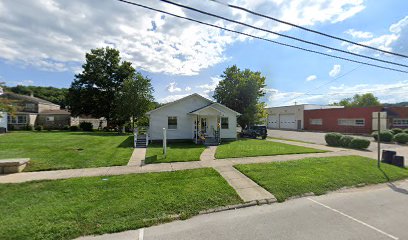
(273, 121)
(287, 121)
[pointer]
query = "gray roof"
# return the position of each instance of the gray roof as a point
(28, 98)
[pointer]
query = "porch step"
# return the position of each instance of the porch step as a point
(141, 141)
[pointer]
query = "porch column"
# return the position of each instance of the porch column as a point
(196, 129)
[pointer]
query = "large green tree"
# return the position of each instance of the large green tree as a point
(134, 99)
(242, 90)
(364, 100)
(93, 91)
(6, 105)
(52, 94)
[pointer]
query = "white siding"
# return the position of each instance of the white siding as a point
(3, 120)
(181, 109)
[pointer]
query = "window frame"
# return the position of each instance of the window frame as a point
(16, 119)
(168, 123)
(401, 120)
(48, 118)
(223, 125)
(351, 122)
(319, 122)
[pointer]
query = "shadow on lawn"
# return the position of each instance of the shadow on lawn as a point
(127, 143)
(392, 185)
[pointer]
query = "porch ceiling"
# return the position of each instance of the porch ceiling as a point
(208, 111)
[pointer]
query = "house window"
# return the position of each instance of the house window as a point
(316, 122)
(20, 119)
(172, 122)
(49, 119)
(224, 123)
(351, 122)
(30, 107)
(400, 122)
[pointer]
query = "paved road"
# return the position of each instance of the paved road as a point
(318, 138)
(375, 213)
(379, 213)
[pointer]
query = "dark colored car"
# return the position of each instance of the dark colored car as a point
(254, 132)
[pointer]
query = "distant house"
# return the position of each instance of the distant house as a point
(35, 111)
(193, 118)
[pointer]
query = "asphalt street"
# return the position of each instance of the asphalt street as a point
(378, 212)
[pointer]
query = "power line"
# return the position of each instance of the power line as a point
(337, 78)
(308, 29)
(261, 38)
(280, 34)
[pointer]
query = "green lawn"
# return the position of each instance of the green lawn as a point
(255, 147)
(66, 209)
(176, 152)
(319, 175)
(63, 150)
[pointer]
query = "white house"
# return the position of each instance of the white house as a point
(186, 117)
(3, 121)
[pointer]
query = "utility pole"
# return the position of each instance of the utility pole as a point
(379, 138)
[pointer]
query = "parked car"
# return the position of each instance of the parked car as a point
(255, 131)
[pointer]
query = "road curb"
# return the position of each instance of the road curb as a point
(238, 206)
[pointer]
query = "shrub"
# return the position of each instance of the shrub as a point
(86, 126)
(333, 139)
(386, 136)
(359, 143)
(29, 127)
(73, 128)
(345, 141)
(406, 130)
(65, 127)
(401, 138)
(39, 128)
(396, 130)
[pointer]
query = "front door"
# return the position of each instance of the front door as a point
(204, 125)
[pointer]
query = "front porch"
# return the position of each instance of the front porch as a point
(206, 126)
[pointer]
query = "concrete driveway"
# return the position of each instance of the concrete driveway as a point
(375, 212)
(318, 138)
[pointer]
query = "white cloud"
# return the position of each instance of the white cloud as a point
(311, 78)
(208, 89)
(171, 98)
(359, 34)
(55, 35)
(334, 72)
(396, 40)
(187, 89)
(387, 93)
(172, 87)
(22, 82)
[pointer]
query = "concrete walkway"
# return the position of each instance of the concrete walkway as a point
(247, 189)
(208, 154)
(138, 157)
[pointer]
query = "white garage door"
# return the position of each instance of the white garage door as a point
(273, 121)
(287, 121)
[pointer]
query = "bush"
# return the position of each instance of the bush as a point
(359, 143)
(39, 128)
(406, 130)
(396, 130)
(345, 141)
(29, 127)
(86, 126)
(386, 136)
(333, 139)
(73, 128)
(65, 127)
(401, 138)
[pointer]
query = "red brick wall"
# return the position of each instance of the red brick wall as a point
(330, 117)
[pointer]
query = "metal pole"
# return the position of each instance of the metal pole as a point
(164, 142)
(379, 138)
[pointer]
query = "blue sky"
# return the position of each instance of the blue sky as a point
(44, 43)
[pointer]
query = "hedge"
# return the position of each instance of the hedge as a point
(386, 136)
(401, 138)
(333, 139)
(396, 131)
(86, 126)
(345, 141)
(359, 143)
